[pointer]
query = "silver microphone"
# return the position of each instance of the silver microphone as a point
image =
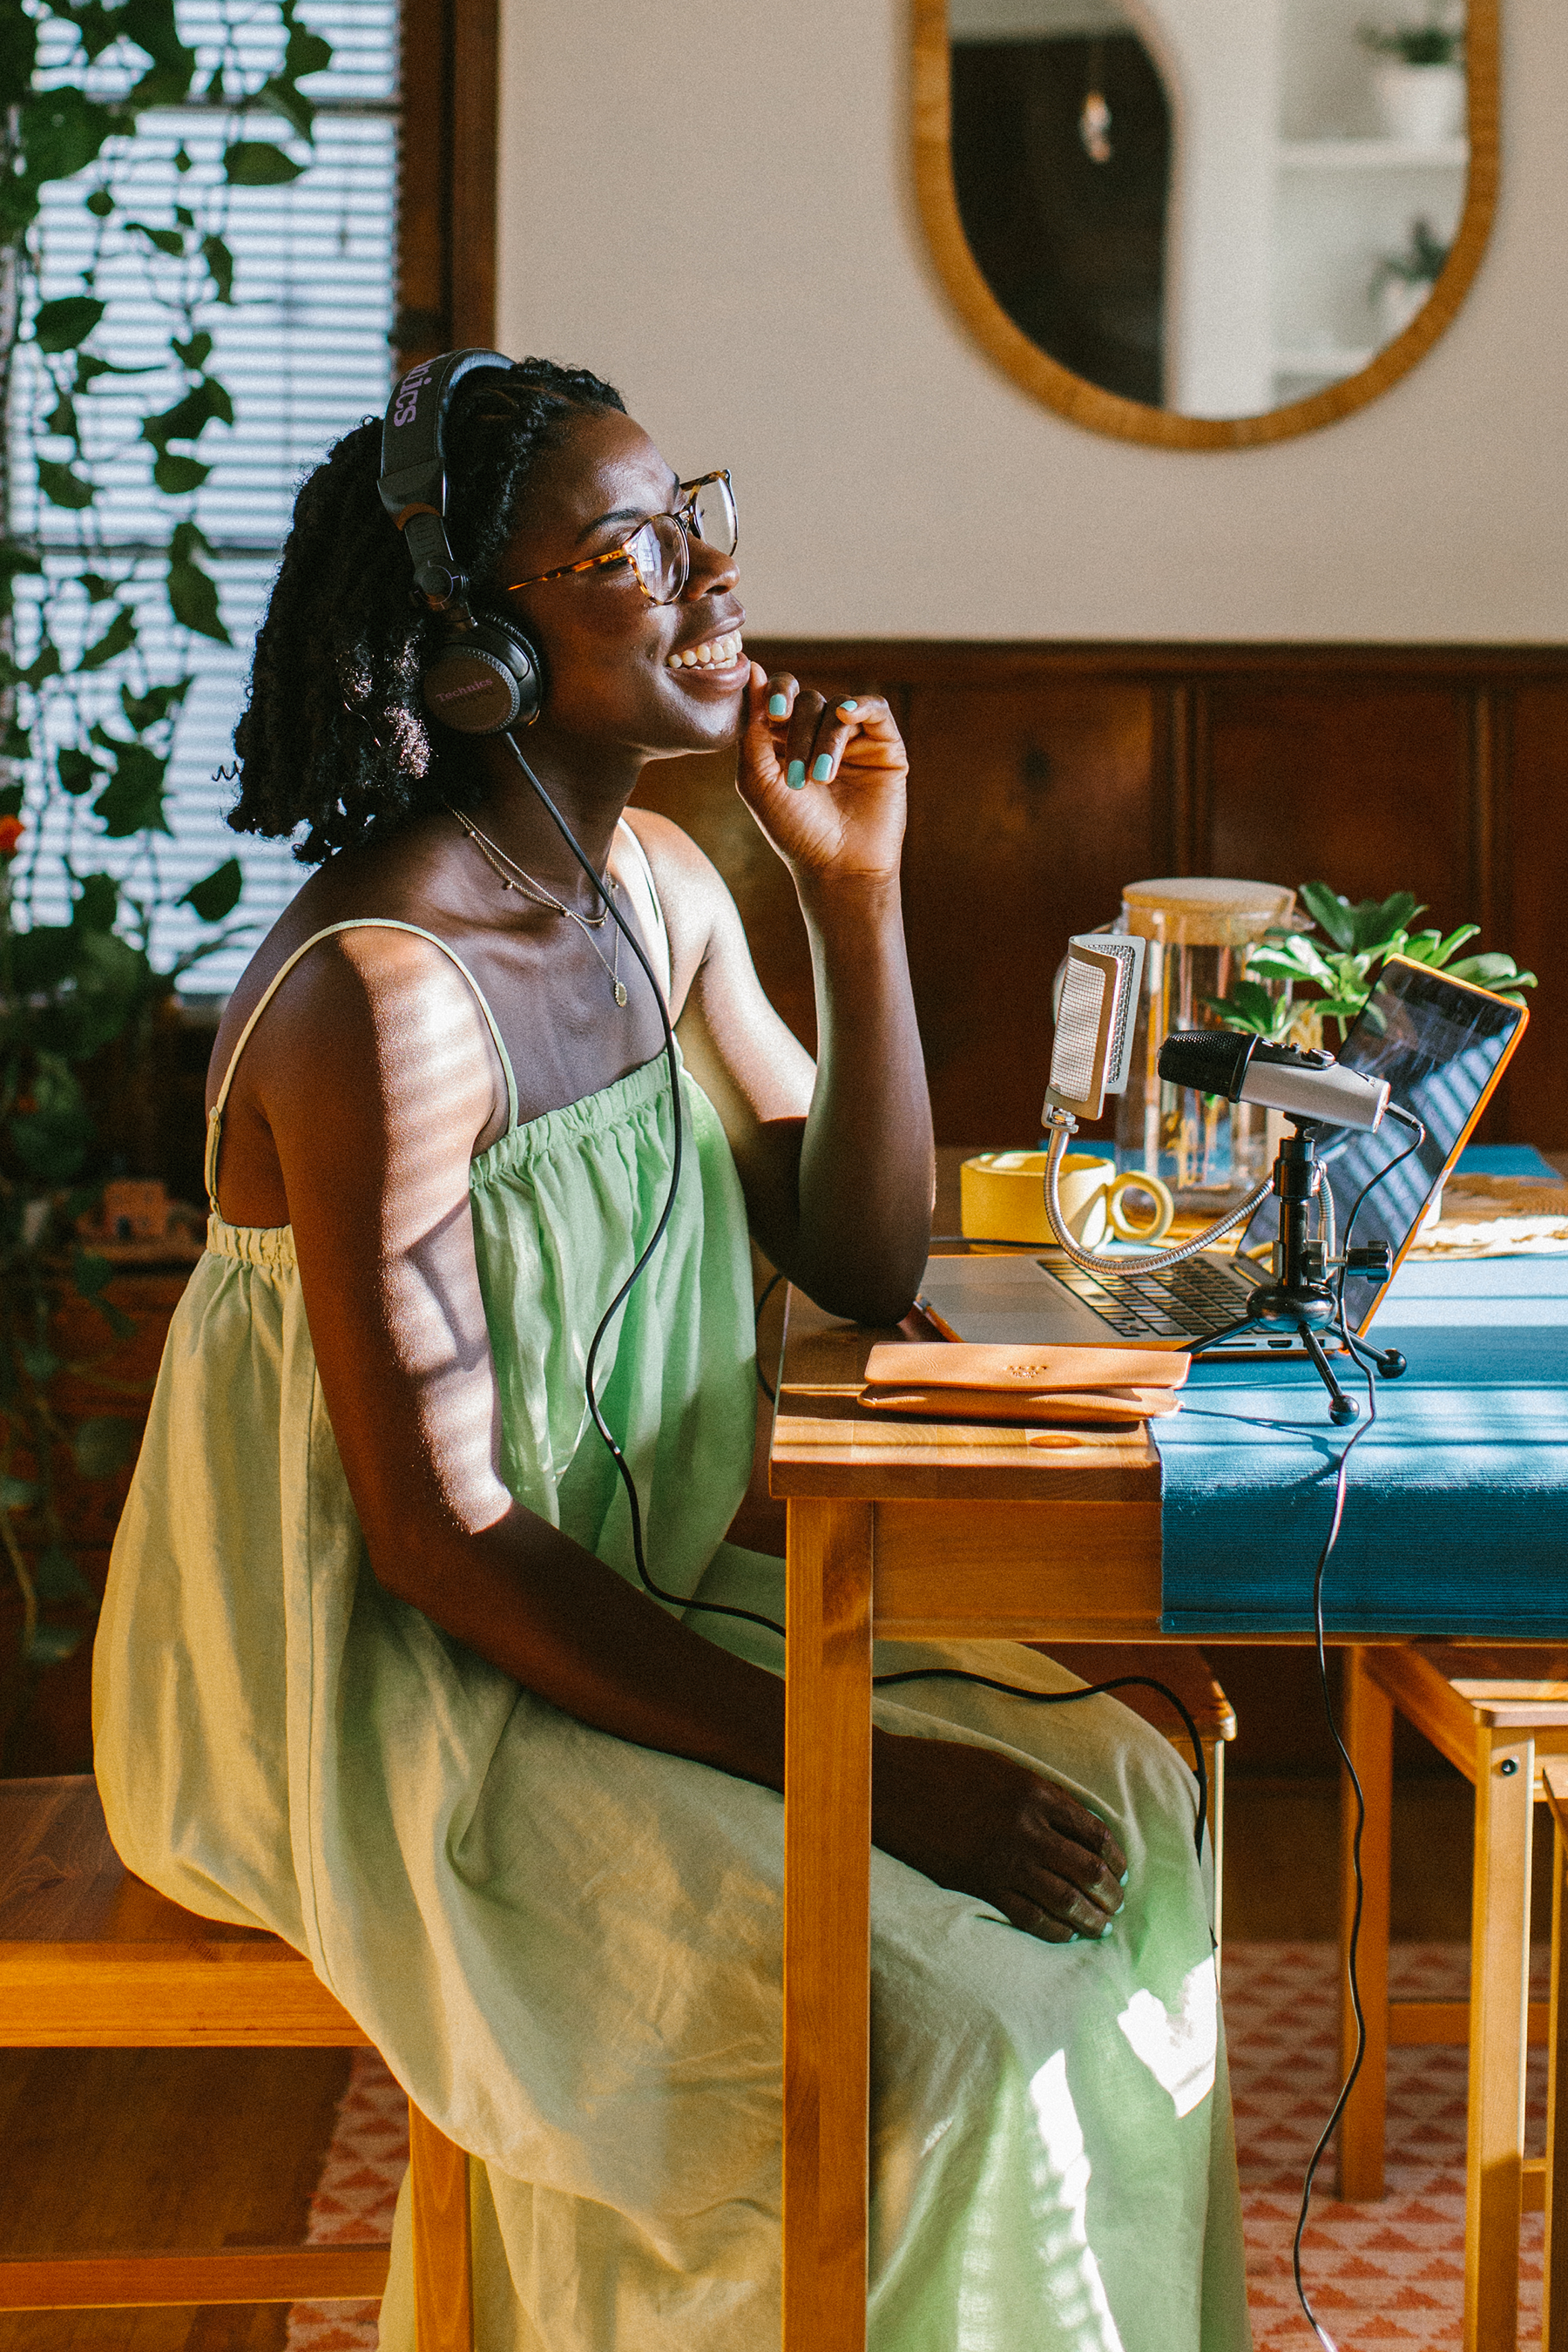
(1278, 1077)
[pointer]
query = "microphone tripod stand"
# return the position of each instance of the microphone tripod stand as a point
(1302, 1299)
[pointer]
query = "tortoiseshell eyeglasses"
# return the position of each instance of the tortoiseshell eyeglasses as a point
(659, 549)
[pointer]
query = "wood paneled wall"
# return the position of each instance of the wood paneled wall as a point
(1045, 776)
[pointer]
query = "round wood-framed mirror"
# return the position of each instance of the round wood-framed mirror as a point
(1175, 236)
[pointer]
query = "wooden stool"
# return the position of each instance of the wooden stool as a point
(91, 1957)
(1497, 1714)
(1187, 1671)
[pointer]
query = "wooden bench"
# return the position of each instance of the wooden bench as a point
(91, 1958)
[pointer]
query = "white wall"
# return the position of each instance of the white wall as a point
(709, 201)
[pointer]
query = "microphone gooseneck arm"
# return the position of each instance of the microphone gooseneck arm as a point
(1062, 1124)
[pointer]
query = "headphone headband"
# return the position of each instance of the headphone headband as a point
(485, 674)
(412, 483)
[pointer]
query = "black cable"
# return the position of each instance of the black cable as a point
(1065, 1698)
(768, 1390)
(723, 1608)
(1341, 1480)
(608, 897)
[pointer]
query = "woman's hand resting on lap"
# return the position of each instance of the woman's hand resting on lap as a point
(976, 1821)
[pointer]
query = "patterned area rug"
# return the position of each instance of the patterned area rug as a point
(1384, 2278)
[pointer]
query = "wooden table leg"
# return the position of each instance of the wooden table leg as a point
(1369, 1739)
(443, 2272)
(828, 1846)
(1500, 1991)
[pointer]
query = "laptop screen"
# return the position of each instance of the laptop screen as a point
(1441, 1045)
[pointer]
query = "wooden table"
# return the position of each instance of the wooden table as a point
(911, 1530)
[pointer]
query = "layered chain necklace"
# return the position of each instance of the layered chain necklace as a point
(511, 876)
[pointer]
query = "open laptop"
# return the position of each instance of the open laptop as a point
(1441, 1044)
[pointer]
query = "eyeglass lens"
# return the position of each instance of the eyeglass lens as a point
(659, 549)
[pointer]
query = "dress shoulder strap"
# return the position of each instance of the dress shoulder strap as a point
(640, 880)
(355, 923)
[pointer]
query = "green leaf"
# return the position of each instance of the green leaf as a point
(1329, 911)
(1493, 971)
(176, 475)
(44, 664)
(60, 326)
(166, 240)
(102, 1446)
(257, 164)
(41, 1364)
(97, 903)
(305, 52)
(206, 401)
(61, 486)
(61, 419)
(193, 354)
(219, 261)
(16, 1494)
(1251, 1008)
(16, 744)
(183, 161)
(193, 595)
(62, 131)
(99, 589)
(89, 1273)
(144, 710)
(1375, 923)
(77, 771)
(56, 1577)
(18, 51)
(282, 97)
(120, 636)
(101, 204)
(132, 801)
(217, 894)
(51, 1646)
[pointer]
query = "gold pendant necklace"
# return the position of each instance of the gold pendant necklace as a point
(496, 859)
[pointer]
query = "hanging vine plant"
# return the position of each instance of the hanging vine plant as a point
(93, 675)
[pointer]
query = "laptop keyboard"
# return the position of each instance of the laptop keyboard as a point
(1192, 1300)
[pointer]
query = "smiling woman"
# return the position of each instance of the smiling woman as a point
(377, 1669)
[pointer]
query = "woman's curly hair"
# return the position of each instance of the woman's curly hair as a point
(335, 738)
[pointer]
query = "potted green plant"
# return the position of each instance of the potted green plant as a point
(1401, 283)
(1418, 77)
(87, 714)
(1297, 981)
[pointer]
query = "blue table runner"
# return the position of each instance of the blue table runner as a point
(1456, 1517)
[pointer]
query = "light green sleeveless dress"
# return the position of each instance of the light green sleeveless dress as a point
(568, 1948)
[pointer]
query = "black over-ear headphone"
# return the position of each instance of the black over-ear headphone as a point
(487, 674)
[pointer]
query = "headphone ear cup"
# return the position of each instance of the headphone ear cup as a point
(486, 679)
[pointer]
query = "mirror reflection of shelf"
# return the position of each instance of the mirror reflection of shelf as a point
(1327, 365)
(1373, 154)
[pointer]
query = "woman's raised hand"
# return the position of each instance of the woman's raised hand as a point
(823, 780)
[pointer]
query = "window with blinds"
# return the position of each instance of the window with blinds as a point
(303, 351)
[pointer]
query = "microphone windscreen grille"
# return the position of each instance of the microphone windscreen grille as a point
(1077, 1030)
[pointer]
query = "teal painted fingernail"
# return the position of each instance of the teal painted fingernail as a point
(848, 704)
(1124, 1877)
(795, 775)
(821, 769)
(778, 705)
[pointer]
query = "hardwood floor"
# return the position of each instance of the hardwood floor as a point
(112, 2149)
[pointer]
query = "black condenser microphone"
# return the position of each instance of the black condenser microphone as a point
(1278, 1077)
